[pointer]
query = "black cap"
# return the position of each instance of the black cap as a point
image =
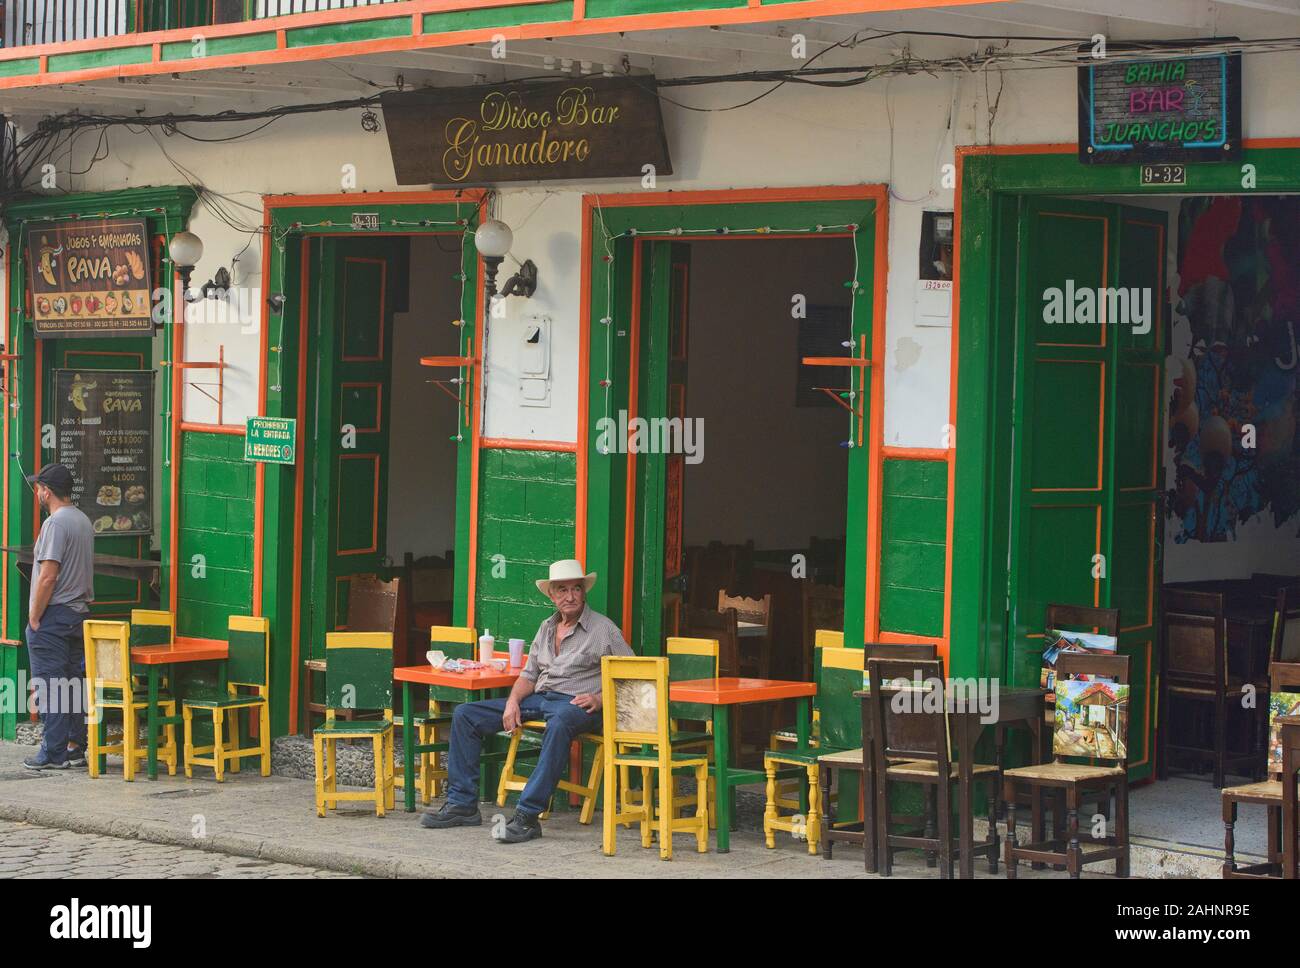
(54, 476)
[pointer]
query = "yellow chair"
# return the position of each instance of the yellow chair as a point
(152, 627)
(111, 686)
(512, 781)
(247, 665)
(358, 676)
(637, 734)
(839, 675)
(688, 658)
(787, 795)
(457, 642)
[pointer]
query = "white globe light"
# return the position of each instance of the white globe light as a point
(185, 249)
(493, 239)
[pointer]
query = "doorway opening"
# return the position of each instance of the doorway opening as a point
(1155, 466)
(758, 511)
(383, 437)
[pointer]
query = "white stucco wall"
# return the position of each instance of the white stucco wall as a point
(900, 132)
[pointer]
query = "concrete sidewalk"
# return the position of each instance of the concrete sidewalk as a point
(274, 819)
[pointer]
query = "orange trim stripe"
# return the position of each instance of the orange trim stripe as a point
(505, 443)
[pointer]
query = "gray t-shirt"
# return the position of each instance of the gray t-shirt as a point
(68, 537)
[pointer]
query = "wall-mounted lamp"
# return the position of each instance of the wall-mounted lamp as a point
(493, 240)
(185, 251)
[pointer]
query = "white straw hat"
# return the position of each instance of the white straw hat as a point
(570, 569)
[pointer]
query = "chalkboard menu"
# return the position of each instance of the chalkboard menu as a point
(1180, 109)
(105, 437)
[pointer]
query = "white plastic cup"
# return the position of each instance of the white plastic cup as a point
(516, 653)
(486, 646)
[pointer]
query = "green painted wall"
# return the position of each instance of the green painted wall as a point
(216, 518)
(526, 515)
(12, 659)
(913, 546)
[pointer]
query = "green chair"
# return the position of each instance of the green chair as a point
(248, 667)
(839, 675)
(358, 676)
(455, 642)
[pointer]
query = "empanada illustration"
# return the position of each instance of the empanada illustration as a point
(136, 263)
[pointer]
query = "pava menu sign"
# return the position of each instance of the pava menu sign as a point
(572, 128)
(1180, 109)
(105, 437)
(90, 278)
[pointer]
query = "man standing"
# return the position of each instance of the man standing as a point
(62, 590)
(560, 684)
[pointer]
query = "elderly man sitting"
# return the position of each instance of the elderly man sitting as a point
(559, 684)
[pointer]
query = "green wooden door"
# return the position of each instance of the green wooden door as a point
(1085, 507)
(656, 570)
(357, 285)
(114, 597)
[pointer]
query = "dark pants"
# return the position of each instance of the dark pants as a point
(473, 721)
(58, 661)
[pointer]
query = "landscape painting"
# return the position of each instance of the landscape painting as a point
(1091, 719)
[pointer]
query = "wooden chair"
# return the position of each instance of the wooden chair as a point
(1269, 793)
(374, 605)
(864, 832)
(358, 675)
(823, 608)
(687, 659)
(757, 611)
(1072, 618)
(1285, 641)
(110, 685)
(911, 745)
(1195, 669)
(707, 623)
(528, 740)
(433, 725)
(638, 734)
(1106, 687)
(247, 665)
(152, 627)
(788, 791)
(840, 729)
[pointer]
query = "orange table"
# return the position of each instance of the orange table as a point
(722, 694)
(473, 680)
(155, 657)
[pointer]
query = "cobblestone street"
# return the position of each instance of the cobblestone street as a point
(27, 850)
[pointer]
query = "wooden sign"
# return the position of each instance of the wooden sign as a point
(573, 128)
(1175, 110)
(105, 437)
(90, 278)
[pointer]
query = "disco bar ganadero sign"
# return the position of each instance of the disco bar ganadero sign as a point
(574, 128)
(1181, 109)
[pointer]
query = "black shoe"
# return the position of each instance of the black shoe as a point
(451, 815)
(76, 756)
(522, 827)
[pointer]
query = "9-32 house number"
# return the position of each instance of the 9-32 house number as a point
(1164, 174)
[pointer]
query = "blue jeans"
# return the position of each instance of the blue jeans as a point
(57, 657)
(473, 721)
